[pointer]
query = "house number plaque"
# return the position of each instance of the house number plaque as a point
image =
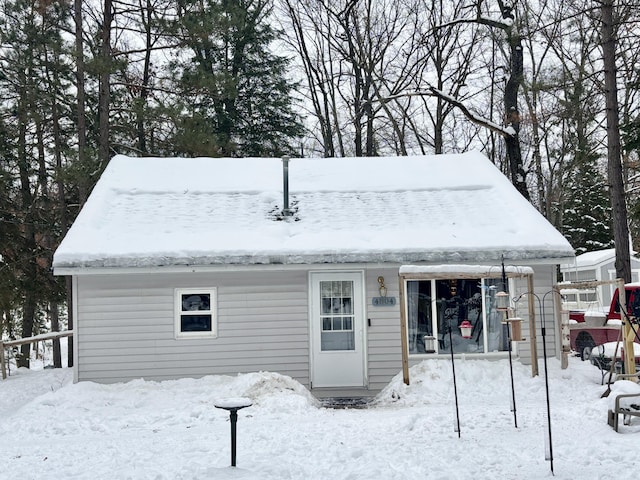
(383, 301)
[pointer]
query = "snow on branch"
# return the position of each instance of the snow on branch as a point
(507, 131)
(504, 23)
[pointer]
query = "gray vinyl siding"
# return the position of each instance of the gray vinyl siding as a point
(543, 281)
(384, 357)
(125, 326)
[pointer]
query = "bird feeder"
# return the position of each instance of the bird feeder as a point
(516, 329)
(465, 329)
(502, 301)
(429, 344)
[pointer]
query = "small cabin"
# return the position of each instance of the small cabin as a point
(185, 267)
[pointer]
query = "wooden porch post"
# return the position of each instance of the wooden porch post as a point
(532, 328)
(2, 365)
(403, 332)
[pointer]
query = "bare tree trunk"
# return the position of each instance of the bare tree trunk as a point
(27, 205)
(82, 122)
(147, 16)
(82, 155)
(614, 162)
(104, 93)
(318, 91)
(512, 113)
(55, 327)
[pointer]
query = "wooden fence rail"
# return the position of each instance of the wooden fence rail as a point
(22, 341)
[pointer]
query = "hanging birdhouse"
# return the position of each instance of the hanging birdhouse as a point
(465, 329)
(516, 329)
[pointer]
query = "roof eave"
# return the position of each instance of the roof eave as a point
(121, 265)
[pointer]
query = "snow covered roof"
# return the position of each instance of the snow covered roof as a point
(595, 258)
(147, 212)
(480, 270)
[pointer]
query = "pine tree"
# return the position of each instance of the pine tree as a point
(35, 86)
(587, 212)
(235, 98)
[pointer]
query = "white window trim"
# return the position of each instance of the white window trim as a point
(213, 311)
(440, 354)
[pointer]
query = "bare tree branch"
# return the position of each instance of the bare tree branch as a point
(475, 118)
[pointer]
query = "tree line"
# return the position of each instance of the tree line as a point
(526, 82)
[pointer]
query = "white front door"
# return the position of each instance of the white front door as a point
(337, 330)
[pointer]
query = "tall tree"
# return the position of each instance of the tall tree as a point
(235, 98)
(614, 160)
(105, 68)
(510, 130)
(35, 83)
(587, 212)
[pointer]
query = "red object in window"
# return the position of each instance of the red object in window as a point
(465, 329)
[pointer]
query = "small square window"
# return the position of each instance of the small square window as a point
(195, 313)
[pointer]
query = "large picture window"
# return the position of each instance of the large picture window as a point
(437, 308)
(195, 314)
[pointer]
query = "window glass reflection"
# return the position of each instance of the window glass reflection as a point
(437, 308)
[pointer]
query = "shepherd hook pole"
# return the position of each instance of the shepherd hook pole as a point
(455, 388)
(509, 343)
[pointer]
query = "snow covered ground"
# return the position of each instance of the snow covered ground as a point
(54, 429)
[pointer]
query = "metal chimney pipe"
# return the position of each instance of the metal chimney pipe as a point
(286, 212)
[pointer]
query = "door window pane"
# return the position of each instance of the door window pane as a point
(337, 315)
(337, 341)
(326, 323)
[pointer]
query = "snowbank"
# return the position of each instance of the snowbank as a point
(54, 429)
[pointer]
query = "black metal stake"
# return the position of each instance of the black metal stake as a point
(455, 388)
(546, 380)
(513, 389)
(509, 345)
(232, 407)
(233, 414)
(546, 371)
